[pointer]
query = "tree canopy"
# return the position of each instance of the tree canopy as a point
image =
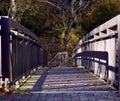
(99, 13)
(60, 23)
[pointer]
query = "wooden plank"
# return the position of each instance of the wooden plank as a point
(16, 97)
(25, 97)
(82, 97)
(20, 28)
(75, 97)
(50, 97)
(34, 97)
(42, 97)
(58, 97)
(66, 97)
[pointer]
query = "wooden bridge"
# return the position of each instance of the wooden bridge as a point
(99, 51)
(65, 80)
(64, 84)
(21, 54)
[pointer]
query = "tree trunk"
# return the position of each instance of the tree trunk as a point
(13, 9)
(67, 32)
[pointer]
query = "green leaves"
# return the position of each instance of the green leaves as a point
(105, 12)
(4, 7)
(99, 14)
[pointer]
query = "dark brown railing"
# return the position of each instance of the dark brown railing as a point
(20, 51)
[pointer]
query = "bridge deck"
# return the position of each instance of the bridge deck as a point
(65, 84)
(65, 80)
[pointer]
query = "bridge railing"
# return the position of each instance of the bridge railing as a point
(101, 46)
(92, 59)
(59, 59)
(20, 51)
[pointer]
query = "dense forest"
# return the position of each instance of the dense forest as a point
(50, 21)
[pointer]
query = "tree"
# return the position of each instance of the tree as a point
(69, 11)
(4, 7)
(50, 17)
(18, 8)
(105, 11)
(101, 12)
(65, 16)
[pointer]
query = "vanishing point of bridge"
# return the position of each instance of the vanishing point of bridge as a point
(96, 62)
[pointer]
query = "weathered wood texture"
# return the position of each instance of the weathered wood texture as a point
(59, 59)
(65, 84)
(62, 97)
(104, 38)
(20, 51)
(64, 80)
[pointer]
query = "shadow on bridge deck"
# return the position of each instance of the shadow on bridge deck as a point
(65, 80)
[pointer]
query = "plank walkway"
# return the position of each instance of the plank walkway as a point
(62, 97)
(65, 80)
(64, 84)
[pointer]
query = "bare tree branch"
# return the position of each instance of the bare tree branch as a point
(29, 7)
(12, 9)
(74, 14)
(69, 12)
(52, 4)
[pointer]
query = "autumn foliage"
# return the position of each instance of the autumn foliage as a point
(50, 24)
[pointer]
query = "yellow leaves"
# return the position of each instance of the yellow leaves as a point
(72, 39)
(73, 36)
(70, 46)
(62, 34)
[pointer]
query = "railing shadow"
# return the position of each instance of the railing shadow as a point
(97, 62)
(38, 85)
(69, 79)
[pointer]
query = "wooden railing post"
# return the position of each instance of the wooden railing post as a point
(0, 54)
(5, 45)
